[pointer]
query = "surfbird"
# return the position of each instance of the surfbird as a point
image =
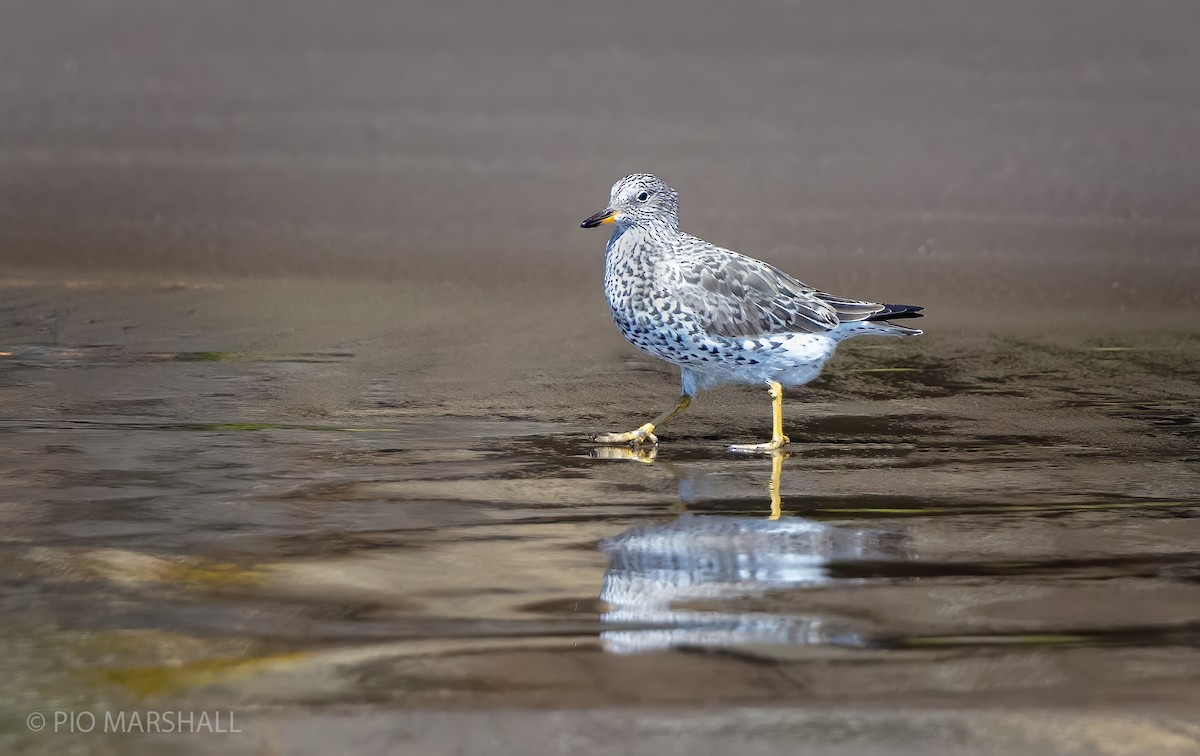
(722, 317)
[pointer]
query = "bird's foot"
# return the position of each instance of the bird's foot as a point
(773, 445)
(643, 435)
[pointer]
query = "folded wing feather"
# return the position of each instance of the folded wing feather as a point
(737, 296)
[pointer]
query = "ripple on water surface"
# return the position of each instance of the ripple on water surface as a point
(973, 537)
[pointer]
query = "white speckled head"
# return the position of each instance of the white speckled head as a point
(639, 200)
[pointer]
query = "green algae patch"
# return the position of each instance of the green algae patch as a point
(177, 678)
(234, 427)
(1001, 508)
(203, 356)
(1030, 639)
(130, 568)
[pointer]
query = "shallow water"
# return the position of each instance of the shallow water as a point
(959, 519)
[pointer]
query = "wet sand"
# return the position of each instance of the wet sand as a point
(301, 348)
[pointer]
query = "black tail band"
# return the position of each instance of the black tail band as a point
(897, 312)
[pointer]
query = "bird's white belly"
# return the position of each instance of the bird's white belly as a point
(791, 359)
(708, 361)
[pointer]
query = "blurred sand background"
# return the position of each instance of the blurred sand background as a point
(1018, 161)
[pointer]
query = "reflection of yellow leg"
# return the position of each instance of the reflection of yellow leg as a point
(777, 438)
(773, 486)
(645, 434)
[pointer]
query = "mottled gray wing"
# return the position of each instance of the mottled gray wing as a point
(737, 296)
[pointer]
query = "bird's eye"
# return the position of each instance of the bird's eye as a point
(642, 197)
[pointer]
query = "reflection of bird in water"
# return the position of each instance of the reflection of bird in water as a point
(691, 484)
(720, 316)
(679, 576)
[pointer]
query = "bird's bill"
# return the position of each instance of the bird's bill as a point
(607, 215)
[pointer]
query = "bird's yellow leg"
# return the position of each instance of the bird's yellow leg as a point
(645, 434)
(778, 440)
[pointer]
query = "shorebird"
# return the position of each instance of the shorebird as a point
(722, 317)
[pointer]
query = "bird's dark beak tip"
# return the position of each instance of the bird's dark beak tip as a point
(599, 218)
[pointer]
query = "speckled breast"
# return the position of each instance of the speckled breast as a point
(638, 306)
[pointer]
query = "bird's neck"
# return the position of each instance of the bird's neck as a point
(635, 233)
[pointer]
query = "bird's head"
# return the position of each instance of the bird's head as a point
(638, 200)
